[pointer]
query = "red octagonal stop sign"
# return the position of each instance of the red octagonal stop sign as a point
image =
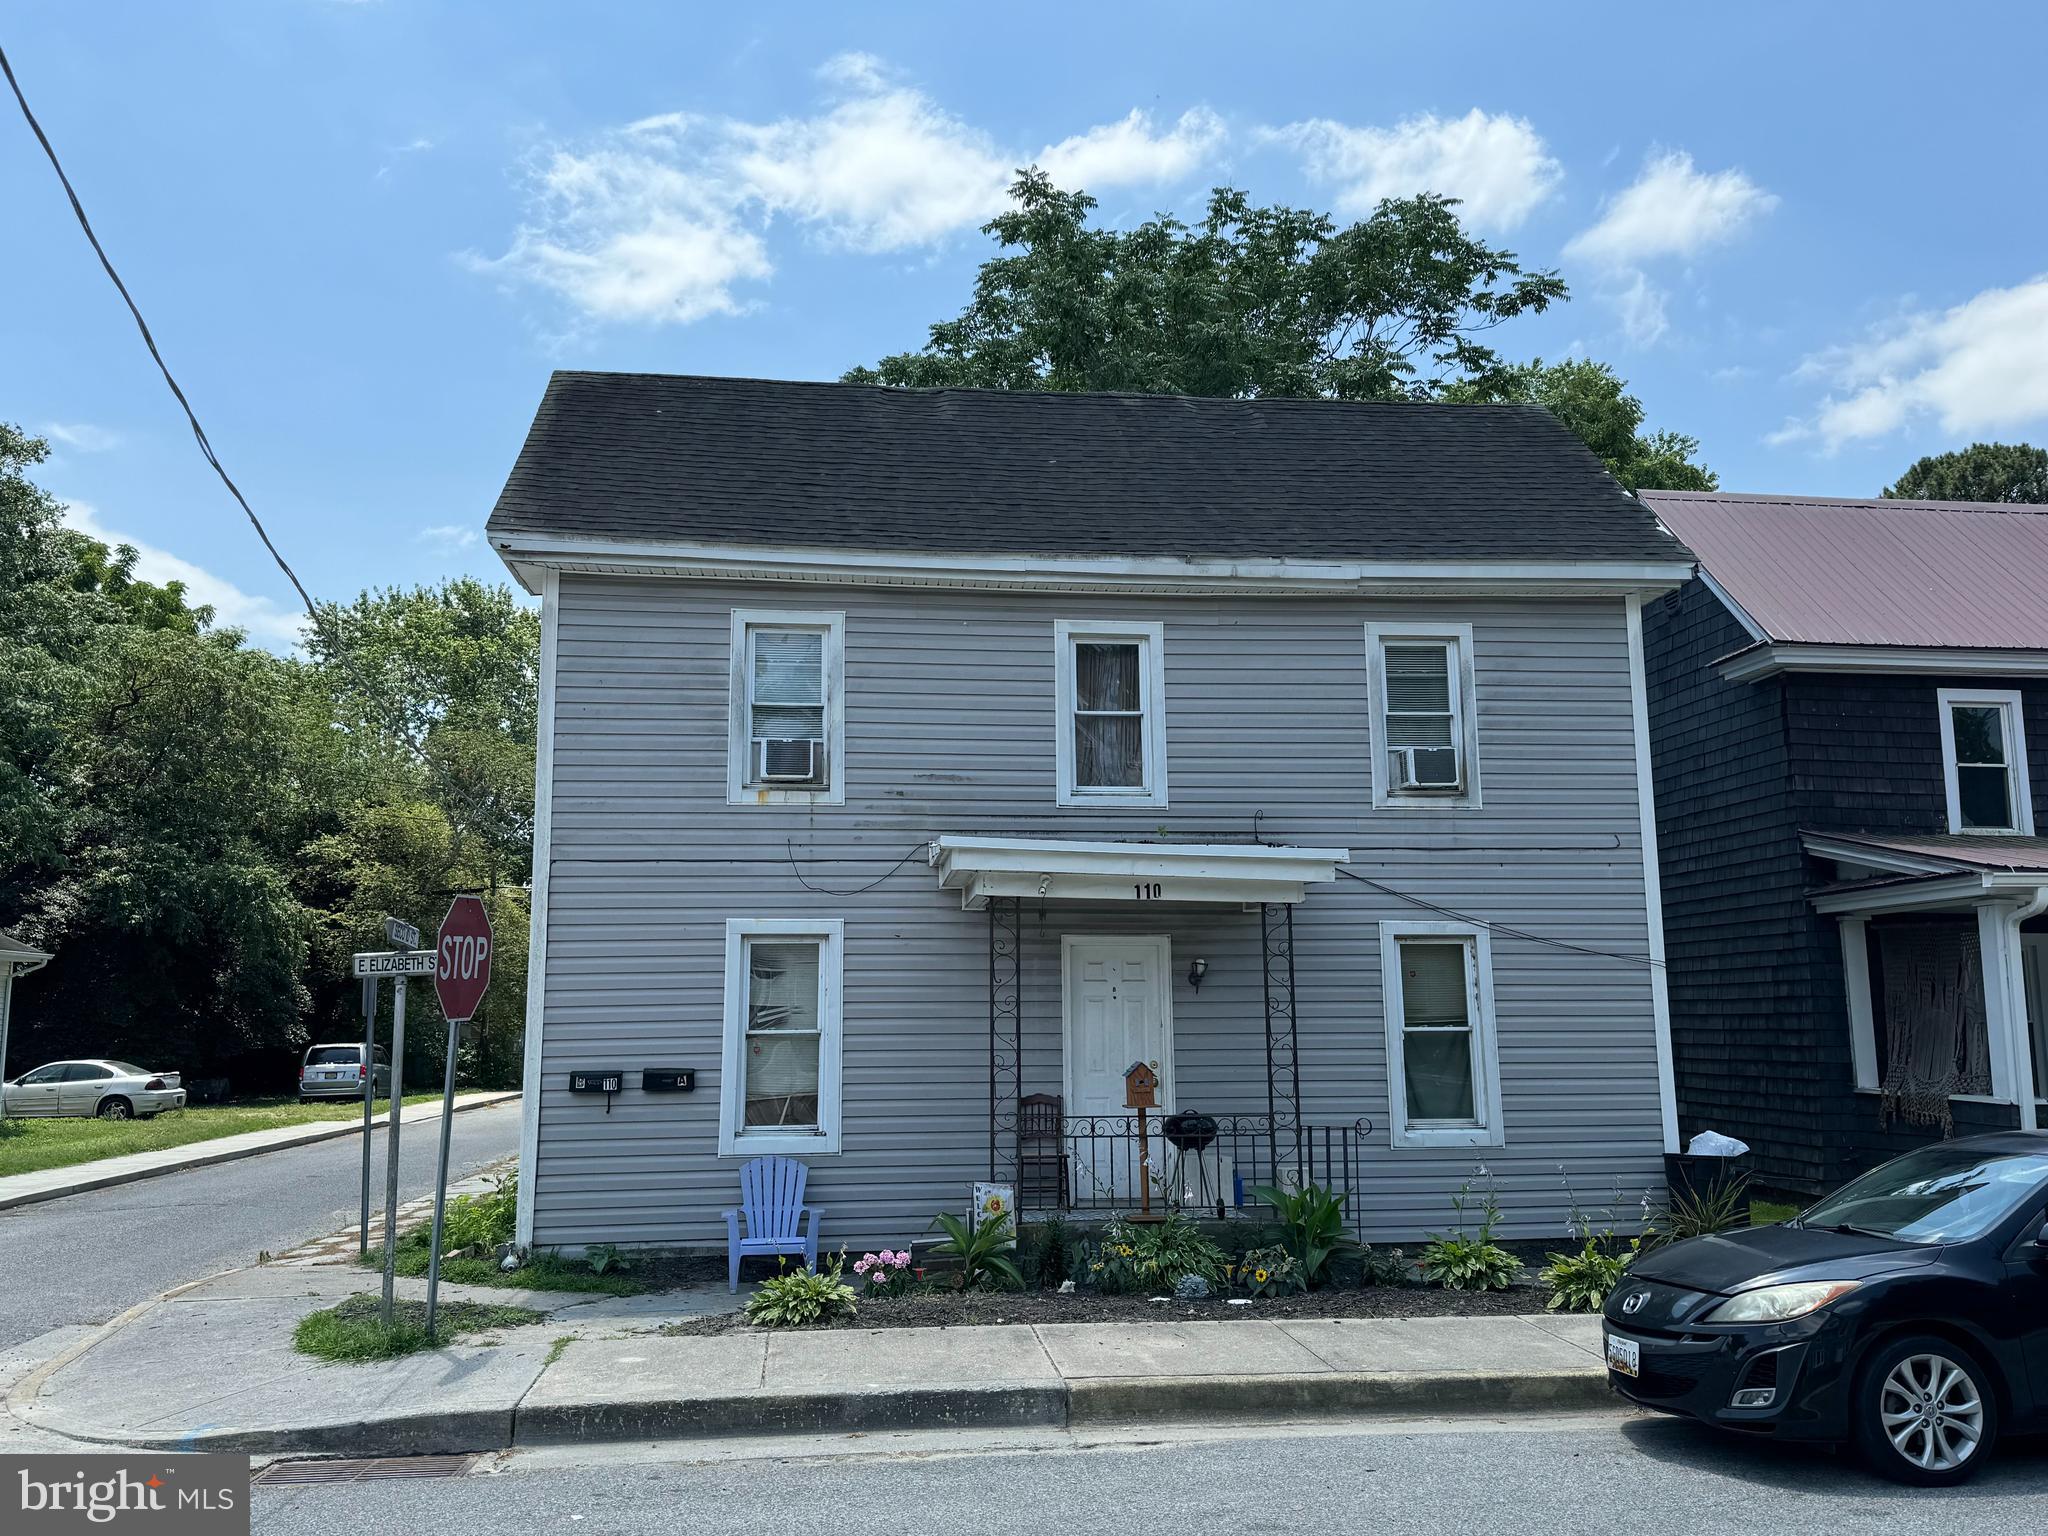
(463, 967)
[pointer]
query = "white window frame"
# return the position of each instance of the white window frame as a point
(739, 750)
(1150, 638)
(734, 1140)
(1464, 713)
(2008, 702)
(1489, 1132)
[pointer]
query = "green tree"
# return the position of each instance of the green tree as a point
(1594, 402)
(1251, 301)
(2015, 472)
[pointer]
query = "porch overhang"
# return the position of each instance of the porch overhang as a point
(1928, 873)
(1055, 869)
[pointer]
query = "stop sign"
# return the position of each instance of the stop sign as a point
(462, 969)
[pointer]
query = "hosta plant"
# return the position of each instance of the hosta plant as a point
(1459, 1261)
(1579, 1282)
(801, 1298)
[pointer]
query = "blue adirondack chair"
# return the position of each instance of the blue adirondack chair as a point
(772, 1199)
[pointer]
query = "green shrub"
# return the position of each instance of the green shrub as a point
(1579, 1282)
(801, 1298)
(1311, 1221)
(983, 1252)
(1458, 1262)
(478, 1224)
(1383, 1266)
(1046, 1253)
(1151, 1256)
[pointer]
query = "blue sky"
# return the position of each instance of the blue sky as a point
(364, 230)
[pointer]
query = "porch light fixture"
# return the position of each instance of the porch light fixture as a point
(1197, 969)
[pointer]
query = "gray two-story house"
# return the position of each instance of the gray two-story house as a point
(915, 763)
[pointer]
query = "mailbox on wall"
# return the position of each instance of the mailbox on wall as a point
(596, 1082)
(668, 1079)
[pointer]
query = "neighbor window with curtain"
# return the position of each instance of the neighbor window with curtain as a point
(1984, 750)
(788, 718)
(1112, 741)
(780, 1068)
(1422, 723)
(1442, 1065)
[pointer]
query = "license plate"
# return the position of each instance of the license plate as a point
(1624, 1356)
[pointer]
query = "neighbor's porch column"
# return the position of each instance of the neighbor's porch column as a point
(2005, 1002)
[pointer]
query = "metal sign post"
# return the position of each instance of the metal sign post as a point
(398, 965)
(369, 1101)
(461, 974)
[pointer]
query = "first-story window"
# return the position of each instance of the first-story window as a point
(780, 1087)
(1443, 1069)
(1984, 761)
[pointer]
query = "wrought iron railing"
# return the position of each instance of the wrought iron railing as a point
(1203, 1165)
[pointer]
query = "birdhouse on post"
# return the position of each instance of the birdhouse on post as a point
(1141, 1087)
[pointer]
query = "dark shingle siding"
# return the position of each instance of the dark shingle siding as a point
(657, 457)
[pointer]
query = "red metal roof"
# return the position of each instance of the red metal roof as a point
(1811, 570)
(1966, 851)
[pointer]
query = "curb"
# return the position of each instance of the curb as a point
(1087, 1403)
(324, 1131)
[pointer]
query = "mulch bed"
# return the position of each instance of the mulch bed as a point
(959, 1309)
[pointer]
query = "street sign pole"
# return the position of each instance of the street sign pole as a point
(462, 970)
(369, 1101)
(391, 1144)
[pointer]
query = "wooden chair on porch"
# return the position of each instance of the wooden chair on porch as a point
(1042, 1178)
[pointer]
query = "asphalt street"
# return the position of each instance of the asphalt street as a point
(1592, 1473)
(87, 1257)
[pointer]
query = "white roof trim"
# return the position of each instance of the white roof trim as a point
(22, 958)
(1767, 660)
(1052, 869)
(1847, 850)
(1923, 894)
(526, 555)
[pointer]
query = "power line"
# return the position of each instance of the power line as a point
(789, 846)
(333, 634)
(1517, 933)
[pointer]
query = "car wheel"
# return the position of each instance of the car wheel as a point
(116, 1109)
(1926, 1412)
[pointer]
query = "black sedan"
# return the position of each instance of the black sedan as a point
(1907, 1313)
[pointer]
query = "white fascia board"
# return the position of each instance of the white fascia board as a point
(1844, 850)
(1767, 660)
(1952, 891)
(1735, 610)
(899, 568)
(957, 857)
(977, 886)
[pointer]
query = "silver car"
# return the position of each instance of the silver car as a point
(336, 1072)
(112, 1090)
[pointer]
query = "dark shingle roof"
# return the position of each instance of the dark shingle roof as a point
(617, 456)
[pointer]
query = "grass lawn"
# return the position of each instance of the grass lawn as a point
(30, 1146)
(541, 1272)
(1764, 1213)
(353, 1331)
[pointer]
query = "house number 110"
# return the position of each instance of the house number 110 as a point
(1147, 892)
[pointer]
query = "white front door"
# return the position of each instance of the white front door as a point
(1119, 1010)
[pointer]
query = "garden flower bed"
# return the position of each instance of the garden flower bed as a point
(945, 1308)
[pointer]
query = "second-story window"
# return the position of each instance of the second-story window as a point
(1112, 731)
(1984, 761)
(788, 713)
(1424, 726)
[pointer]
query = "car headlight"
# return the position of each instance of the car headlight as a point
(1780, 1303)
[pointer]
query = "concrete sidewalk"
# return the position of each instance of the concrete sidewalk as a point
(211, 1368)
(55, 1183)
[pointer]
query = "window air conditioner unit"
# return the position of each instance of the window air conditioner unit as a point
(1427, 768)
(789, 761)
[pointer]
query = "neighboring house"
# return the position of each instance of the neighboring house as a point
(912, 763)
(1841, 707)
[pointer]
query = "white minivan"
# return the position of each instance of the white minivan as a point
(337, 1072)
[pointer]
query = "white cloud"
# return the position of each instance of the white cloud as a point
(448, 536)
(1640, 304)
(669, 217)
(1130, 151)
(1975, 368)
(82, 435)
(265, 621)
(1671, 209)
(1497, 165)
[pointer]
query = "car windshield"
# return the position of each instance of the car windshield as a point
(1942, 1194)
(333, 1055)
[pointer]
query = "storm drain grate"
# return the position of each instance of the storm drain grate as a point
(379, 1469)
